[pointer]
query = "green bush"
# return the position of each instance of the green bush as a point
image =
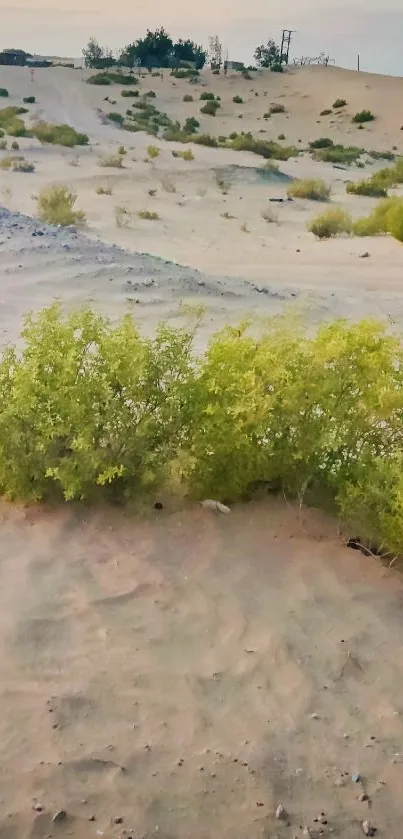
(265, 148)
(345, 155)
(326, 112)
(207, 97)
(237, 100)
(330, 223)
(59, 135)
(111, 161)
(108, 78)
(376, 186)
(321, 143)
(363, 116)
(56, 206)
(185, 73)
(187, 98)
(210, 108)
(314, 189)
(15, 146)
(387, 217)
(29, 100)
(114, 116)
(106, 414)
(153, 151)
(10, 121)
(128, 93)
(339, 103)
(191, 125)
(148, 215)
(382, 155)
(150, 94)
(185, 155)
(4, 92)
(205, 140)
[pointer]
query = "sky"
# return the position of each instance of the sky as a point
(52, 27)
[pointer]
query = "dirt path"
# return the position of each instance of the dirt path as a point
(183, 676)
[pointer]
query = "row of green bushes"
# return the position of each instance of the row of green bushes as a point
(387, 217)
(91, 411)
(379, 183)
(62, 135)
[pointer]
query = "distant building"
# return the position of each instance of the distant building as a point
(38, 61)
(14, 57)
(235, 65)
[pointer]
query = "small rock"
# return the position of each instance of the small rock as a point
(315, 717)
(364, 255)
(60, 816)
(368, 829)
(356, 778)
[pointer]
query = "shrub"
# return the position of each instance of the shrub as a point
(204, 140)
(15, 146)
(187, 98)
(237, 100)
(8, 160)
(121, 150)
(326, 112)
(363, 116)
(387, 217)
(267, 115)
(150, 94)
(321, 143)
(104, 190)
(330, 223)
(22, 165)
(185, 73)
(281, 137)
(59, 135)
(128, 93)
(108, 78)
(315, 190)
(3, 92)
(111, 161)
(56, 206)
(270, 216)
(114, 116)
(373, 187)
(276, 108)
(185, 155)
(153, 151)
(210, 108)
(382, 155)
(208, 97)
(265, 148)
(339, 154)
(339, 103)
(29, 100)
(149, 216)
(3, 145)
(191, 125)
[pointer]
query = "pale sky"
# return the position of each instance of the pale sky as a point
(52, 27)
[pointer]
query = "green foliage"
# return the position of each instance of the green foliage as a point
(153, 152)
(187, 98)
(375, 186)
(339, 103)
(104, 190)
(3, 92)
(15, 146)
(97, 57)
(363, 116)
(59, 135)
(129, 93)
(237, 100)
(205, 140)
(265, 148)
(148, 215)
(114, 116)
(157, 49)
(92, 411)
(10, 121)
(29, 100)
(331, 223)
(111, 78)
(268, 55)
(56, 206)
(191, 125)
(326, 112)
(210, 108)
(382, 155)
(185, 73)
(187, 154)
(387, 217)
(206, 96)
(321, 143)
(151, 94)
(339, 154)
(314, 189)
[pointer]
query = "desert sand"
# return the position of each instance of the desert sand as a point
(182, 673)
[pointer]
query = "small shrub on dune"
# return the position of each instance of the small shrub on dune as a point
(184, 155)
(210, 108)
(321, 143)
(29, 100)
(331, 223)
(276, 108)
(129, 93)
(20, 164)
(104, 190)
(265, 148)
(345, 155)
(325, 113)
(185, 73)
(339, 103)
(363, 116)
(114, 116)
(111, 161)
(206, 96)
(8, 160)
(205, 140)
(56, 206)
(191, 125)
(387, 217)
(123, 216)
(108, 78)
(4, 92)
(382, 155)
(237, 100)
(148, 215)
(313, 189)
(374, 187)
(15, 146)
(187, 98)
(153, 152)
(3, 145)
(59, 135)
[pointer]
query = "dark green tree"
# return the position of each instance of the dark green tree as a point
(155, 50)
(188, 51)
(268, 55)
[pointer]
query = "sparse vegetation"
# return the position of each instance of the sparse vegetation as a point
(270, 216)
(187, 98)
(237, 100)
(373, 187)
(321, 143)
(129, 93)
(115, 116)
(281, 137)
(339, 103)
(4, 92)
(326, 112)
(330, 223)
(313, 189)
(20, 164)
(15, 146)
(265, 148)
(56, 206)
(185, 73)
(387, 217)
(109, 77)
(59, 135)
(210, 108)
(381, 155)
(363, 116)
(148, 215)
(11, 122)
(207, 97)
(339, 154)
(184, 155)
(191, 125)
(111, 161)
(153, 152)
(104, 190)
(277, 108)
(204, 140)
(29, 100)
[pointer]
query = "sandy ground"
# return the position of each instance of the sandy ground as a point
(223, 235)
(185, 674)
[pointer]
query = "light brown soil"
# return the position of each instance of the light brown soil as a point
(189, 672)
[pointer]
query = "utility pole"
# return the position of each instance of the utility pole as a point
(358, 62)
(285, 44)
